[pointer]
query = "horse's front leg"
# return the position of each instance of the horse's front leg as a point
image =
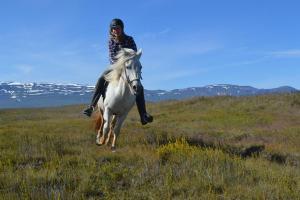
(107, 119)
(117, 129)
(111, 129)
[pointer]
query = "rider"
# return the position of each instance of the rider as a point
(118, 39)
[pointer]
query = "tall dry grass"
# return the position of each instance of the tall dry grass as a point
(202, 148)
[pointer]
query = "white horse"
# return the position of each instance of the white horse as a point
(123, 86)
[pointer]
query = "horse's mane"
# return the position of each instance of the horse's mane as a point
(117, 68)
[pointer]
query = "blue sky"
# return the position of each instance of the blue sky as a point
(185, 43)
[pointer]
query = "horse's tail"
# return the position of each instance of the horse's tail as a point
(97, 120)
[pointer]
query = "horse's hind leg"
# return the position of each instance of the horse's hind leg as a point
(100, 131)
(99, 126)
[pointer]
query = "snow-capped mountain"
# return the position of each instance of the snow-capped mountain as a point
(14, 94)
(214, 90)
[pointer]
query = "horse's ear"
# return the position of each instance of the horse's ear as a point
(139, 53)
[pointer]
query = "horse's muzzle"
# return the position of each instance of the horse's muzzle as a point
(135, 88)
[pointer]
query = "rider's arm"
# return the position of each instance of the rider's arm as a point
(131, 43)
(112, 51)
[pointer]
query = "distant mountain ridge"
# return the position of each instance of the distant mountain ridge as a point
(16, 95)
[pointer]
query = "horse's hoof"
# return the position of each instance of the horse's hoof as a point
(113, 149)
(98, 144)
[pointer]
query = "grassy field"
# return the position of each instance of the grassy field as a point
(202, 148)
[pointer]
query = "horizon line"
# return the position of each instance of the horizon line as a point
(89, 85)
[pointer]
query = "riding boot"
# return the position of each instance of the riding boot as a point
(99, 90)
(140, 102)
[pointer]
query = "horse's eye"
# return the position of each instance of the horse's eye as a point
(127, 63)
(128, 67)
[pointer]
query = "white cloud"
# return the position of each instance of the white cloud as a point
(175, 74)
(286, 53)
(246, 62)
(155, 35)
(178, 49)
(24, 69)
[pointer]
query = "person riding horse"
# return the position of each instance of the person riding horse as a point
(118, 40)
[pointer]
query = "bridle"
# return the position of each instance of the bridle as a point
(131, 81)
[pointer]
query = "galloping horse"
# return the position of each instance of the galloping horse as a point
(123, 86)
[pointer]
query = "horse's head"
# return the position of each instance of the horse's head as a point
(127, 67)
(132, 70)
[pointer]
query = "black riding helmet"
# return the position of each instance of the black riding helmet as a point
(117, 22)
